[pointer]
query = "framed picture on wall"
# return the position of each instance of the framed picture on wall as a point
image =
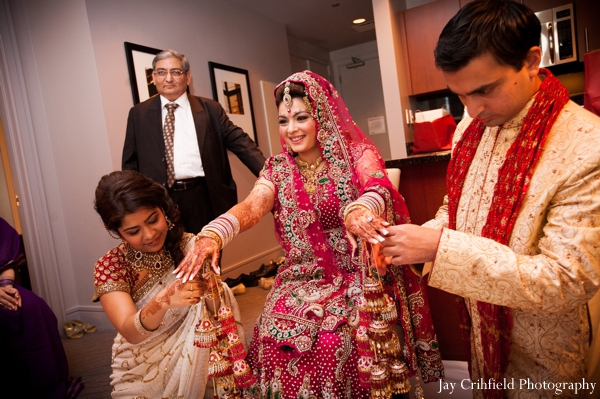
(139, 63)
(231, 88)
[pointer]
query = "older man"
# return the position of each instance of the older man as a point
(518, 235)
(181, 142)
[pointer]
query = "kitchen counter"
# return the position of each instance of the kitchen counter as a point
(419, 159)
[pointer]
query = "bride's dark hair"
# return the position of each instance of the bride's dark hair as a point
(122, 193)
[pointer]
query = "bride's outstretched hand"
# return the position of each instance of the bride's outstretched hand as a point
(205, 248)
(364, 224)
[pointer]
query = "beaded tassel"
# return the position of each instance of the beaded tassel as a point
(365, 365)
(218, 366)
(374, 295)
(242, 374)
(206, 333)
(363, 343)
(419, 394)
(389, 312)
(226, 381)
(226, 320)
(385, 339)
(235, 348)
(380, 382)
(399, 382)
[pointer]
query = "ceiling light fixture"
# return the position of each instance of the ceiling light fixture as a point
(359, 21)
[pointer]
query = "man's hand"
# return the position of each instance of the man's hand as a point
(407, 244)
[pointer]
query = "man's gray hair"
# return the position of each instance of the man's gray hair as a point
(171, 53)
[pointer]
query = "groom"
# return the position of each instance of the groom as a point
(517, 236)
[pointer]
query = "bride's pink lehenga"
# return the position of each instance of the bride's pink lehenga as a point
(304, 343)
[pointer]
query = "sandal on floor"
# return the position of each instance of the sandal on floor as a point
(72, 330)
(85, 327)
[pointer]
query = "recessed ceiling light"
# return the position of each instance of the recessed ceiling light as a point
(335, 5)
(358, 21)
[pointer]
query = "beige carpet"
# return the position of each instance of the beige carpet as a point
(89, 356)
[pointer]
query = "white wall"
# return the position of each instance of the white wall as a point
(361, 89)
(71, 97)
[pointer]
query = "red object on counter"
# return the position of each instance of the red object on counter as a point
(591, 93)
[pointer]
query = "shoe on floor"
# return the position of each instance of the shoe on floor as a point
(239, 289)
(266, 282)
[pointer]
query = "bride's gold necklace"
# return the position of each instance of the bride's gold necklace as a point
(309, 171)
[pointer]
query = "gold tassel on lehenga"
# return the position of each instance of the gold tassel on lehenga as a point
(206, 332)
(379, 367)
(226, 365)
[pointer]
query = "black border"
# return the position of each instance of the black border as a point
(212, 66)
(129, 49)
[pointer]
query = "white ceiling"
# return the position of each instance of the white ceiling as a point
(317, 22)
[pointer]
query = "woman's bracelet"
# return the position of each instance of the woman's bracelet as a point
(369, 200)
(5, 281)
(225, 227)
(137, 322)
(351, 208)
(213, 236)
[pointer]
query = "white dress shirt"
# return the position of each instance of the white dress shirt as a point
(186, 153)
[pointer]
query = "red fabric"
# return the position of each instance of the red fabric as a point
(591, 93)
(510, 190)
(311, 230)
(434, 136)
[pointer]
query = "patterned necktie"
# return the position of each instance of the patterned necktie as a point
(168, 132)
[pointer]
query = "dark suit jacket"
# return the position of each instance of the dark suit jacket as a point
(144, 148)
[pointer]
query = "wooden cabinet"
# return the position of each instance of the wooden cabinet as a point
(422, 28)
(423, 186)
(587, 16)
(541, 5)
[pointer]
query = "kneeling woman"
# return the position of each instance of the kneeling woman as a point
(153, 355)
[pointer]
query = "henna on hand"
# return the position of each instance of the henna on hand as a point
(364, 224)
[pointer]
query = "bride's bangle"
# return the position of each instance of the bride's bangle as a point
(213, 236)
(224, 228)
(370, 200)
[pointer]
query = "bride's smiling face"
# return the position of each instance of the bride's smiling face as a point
(145, 230)
(297, 128)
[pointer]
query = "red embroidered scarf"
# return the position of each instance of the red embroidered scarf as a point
(510, 190)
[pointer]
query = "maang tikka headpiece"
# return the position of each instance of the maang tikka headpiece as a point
(287, 99)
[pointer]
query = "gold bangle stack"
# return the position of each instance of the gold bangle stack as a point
(352, 207)
(212, 235)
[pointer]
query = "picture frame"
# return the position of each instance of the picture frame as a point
(139, 63)
(231, 88)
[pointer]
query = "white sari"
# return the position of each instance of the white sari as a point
(166, 364)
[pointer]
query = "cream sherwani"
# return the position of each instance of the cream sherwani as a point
(551, 267)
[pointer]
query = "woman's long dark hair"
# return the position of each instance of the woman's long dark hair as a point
(122, 193)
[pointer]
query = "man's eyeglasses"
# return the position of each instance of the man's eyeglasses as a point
(176, 73)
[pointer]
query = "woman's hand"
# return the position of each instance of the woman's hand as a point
(179, 294)
(194, 260)
(10, 298)
(364, 224)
